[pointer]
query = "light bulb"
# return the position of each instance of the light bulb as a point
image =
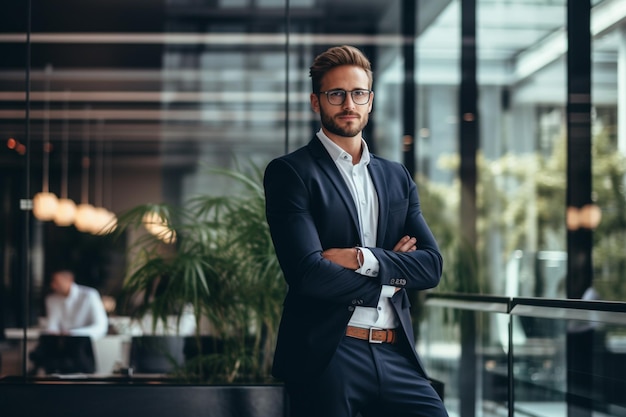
(110, 223)
(104, 222)
(85, 217)
(66, 212)
(45, 206)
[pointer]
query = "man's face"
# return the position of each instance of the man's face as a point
(348, 119)
(61, 283)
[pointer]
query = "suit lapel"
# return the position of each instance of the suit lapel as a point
(331, 171)
(380, 183)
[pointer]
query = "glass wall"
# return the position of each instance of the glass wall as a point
(609, 150)
(521, 50)
(519, 87)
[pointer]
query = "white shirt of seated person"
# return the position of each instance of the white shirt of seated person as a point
(73, 309)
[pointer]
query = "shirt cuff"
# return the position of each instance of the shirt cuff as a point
(387, 291)
(370, 265)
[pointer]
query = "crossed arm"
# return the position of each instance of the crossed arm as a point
(292, 203)
(352, 258)
(347, 257)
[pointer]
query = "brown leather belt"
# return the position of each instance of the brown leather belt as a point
(372, 335)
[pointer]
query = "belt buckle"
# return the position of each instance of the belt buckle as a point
(370, 339)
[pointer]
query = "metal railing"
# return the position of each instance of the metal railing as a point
(526, 356)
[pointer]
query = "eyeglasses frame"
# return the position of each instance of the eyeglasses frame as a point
(369, 96)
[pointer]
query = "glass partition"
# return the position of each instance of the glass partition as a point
(14, 177)
(538, 357)
(608, 63)
(464, 343)
(522, 83)
(572, 359)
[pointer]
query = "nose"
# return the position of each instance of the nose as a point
(348, 103)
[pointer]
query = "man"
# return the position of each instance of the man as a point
(350, 238)
(74, 309)
(75, 317)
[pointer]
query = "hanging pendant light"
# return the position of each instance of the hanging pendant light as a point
(85, 212)
(45, 203)
(111, 218)
(85, 217)
(66, 212)
(107, 221)
(103, 217)
(66, 209)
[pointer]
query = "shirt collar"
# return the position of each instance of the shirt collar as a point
(338, 154)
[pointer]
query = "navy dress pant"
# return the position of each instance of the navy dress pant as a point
(375, 380)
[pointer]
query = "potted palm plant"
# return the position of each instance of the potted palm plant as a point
(213, 256)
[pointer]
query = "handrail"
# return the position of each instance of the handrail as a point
(610, 311)
(593, 311)
(595, 305)
(468, 297)
(475, 302)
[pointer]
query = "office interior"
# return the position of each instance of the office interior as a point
(510, 115)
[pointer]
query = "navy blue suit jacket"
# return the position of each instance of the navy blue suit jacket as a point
(310, 209)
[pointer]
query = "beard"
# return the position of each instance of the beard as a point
(349, 131)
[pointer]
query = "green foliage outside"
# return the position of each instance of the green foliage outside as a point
(521, 198)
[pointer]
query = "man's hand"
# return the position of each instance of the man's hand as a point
(406, 244)
(345, 257)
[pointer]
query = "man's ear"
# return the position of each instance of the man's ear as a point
(315, 102)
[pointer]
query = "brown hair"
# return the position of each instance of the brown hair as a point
(335, 57)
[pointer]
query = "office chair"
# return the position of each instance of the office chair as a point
(62, 354)
(156, 354)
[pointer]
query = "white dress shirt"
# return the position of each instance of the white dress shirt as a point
(81, 313)
(363, 192)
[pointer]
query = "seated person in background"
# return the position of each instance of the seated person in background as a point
(76, 316)
(74, 309)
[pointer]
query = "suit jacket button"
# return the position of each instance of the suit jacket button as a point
(350, 308)
(353, 302)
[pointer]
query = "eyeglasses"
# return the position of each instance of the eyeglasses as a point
(337, 97)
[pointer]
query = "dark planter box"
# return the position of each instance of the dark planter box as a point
(135, 398)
